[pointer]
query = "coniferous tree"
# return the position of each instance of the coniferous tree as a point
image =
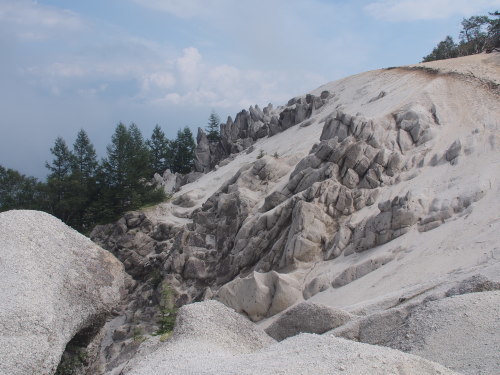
(125, 173)
(139, 165)
(446, 49)
(139, 170)
(83, 174)
(183, 151)
(85, 158)
(60, 186)
(159, 149)
(114, 171)
(212, 128)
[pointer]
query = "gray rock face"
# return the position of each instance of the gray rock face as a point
(247, 244)
(54, 284)
(307, 317)
(395, 219)
(453, 151)
(249, 126)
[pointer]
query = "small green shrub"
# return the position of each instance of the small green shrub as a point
(276, 155)
(72, 360)
(168, 312)
(137, 334)
(261, 154)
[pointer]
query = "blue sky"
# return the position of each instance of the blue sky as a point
(90, 64)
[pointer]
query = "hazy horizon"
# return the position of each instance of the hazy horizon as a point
(94, 64)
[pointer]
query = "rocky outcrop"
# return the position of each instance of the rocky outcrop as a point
(57, 289)
(302, 222)
(249, 126)
(335, 225)
(167, 181)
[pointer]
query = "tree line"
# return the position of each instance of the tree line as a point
(479, 33)
(83, 192)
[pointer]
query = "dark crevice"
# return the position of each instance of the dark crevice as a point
(77, 358)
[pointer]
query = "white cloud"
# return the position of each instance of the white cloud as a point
(202, 83)
(409, 10)
(189, 66)
(163, 80)
(32, 21)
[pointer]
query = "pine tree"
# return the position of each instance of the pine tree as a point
(446, 49)
(83, 174)
(159, 148)
(113, 173)
(115, 163)
(183, 151)
(212, 128)
(139, 165)
(125, 173)
(85, 158)
(59, 183)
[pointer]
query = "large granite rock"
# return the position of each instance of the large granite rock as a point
(55, 284)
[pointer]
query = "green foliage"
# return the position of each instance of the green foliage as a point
(261, 154)
(61, 187)
(137, 334)
(168, 312)
(83, 192)
(18, 191)
(276, 155)
(160, 150)
(183, 152)
(446, 49)
(84, 180)
(124, 173)
(478, 33)
(212, 128)
(72, 361)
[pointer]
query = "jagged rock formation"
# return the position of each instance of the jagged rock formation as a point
(57, 288)
(168, 181)
(249, 126)
(384, 193)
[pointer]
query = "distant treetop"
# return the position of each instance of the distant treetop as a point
(478, 34)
